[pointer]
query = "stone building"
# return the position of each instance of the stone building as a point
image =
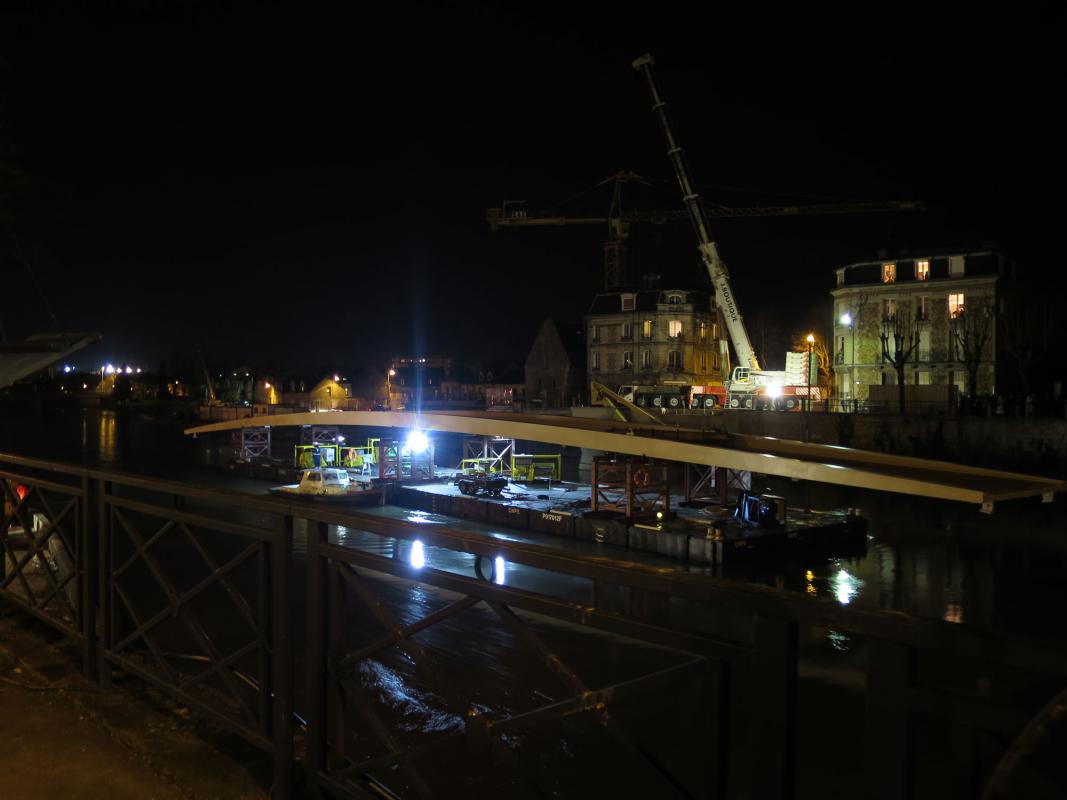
(936, 294)
(555, 367)
(653, 337)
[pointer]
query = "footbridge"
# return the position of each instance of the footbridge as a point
(760, 454)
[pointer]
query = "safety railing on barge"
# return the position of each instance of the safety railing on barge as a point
(195, 591)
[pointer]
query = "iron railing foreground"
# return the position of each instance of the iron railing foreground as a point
(97, 554)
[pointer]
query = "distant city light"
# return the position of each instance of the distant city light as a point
(138, 370)
(811, 338)
(335, 379)
(392, 373)
(66, 368)
(85, 386)
(267, 384)
(110, 370)
(129, 370)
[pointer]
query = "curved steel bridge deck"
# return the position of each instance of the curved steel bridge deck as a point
(766, 455)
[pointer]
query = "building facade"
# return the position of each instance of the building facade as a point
(555, 368)
(948, 305)
(653, 337)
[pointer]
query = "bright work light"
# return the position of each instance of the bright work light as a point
(418, 442)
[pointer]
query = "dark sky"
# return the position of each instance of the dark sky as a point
(279, 184)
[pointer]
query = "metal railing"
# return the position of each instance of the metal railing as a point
(193, 591)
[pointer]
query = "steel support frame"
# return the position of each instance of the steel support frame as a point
(495, 451)
(255, 442)
(616, 487)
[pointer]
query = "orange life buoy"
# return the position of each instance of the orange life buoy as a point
(642, 477)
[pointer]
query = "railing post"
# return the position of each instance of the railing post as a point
(88, 573)
(281, 550)
(714, 706)
(103, 582)
(886, 753)
(315, 656)
(773, 733)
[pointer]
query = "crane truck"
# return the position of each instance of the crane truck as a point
(749, 385)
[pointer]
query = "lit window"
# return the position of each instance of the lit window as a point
(646, 359)
(595, 359)
(646, 329)
(715, 330)
(955, 305)
(594, 333)
(922, 270)
(703, 331)
(703, 361)
(674, 328)
(674, 359)
(627, 359)
(889, 273)
(627, 330)
(627, 302)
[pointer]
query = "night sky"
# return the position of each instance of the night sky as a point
(283, 185)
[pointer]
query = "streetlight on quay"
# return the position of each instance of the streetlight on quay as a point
(389, 388)
(847, 321)
(811, 348)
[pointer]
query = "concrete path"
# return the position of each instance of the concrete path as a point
(60, 737)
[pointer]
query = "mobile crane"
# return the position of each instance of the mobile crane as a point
(749, 386)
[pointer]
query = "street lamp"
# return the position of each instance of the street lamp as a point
(846, 320)
(389, 388)
(811, 347)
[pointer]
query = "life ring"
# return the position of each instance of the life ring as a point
(642, 477)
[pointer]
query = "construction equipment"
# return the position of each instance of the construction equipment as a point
(476, 482)
(749, 385)
(514, 214)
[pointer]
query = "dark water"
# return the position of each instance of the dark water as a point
(928, 558)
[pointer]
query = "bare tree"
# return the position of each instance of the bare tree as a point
(900, 340)
(1024, 334)
(971, 330)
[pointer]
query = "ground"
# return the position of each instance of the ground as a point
(61, 737)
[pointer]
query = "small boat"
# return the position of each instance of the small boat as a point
(327, 483)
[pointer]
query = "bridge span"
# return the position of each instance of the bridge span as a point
(760, 454)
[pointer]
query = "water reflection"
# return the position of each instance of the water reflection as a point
(845, 586)
(417, 556)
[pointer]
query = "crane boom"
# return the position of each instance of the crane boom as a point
(499, 218)
(720, 278)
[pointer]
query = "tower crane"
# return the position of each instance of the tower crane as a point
(513, 214)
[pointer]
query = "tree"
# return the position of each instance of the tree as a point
(971, 329)
(900, 340)
(1024, 334)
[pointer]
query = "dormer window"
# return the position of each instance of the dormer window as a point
(627, 302)
(922, 270)
(675, 299)
(889, 273)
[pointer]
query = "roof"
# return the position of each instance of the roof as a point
(646, 300)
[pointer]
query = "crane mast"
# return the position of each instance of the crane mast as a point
(720, 278)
